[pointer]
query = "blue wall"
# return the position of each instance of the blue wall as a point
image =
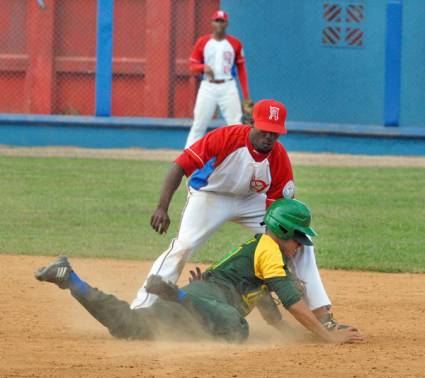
(287, 60)
(124, 132)
(174, 137)
(413, 64)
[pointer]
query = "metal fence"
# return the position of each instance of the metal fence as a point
(325, 59)
(48, 56)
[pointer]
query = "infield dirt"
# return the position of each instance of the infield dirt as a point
(297, 158)
(45, 332)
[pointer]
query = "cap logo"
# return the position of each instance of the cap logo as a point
(274, 113)
(220, 14)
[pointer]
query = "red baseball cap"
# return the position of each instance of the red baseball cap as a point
(220, 15)
(270, 115)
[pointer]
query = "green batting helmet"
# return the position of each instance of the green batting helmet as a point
(290, 219)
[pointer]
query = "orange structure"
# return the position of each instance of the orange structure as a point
(48, 56)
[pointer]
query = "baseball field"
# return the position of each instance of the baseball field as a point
(94, 206)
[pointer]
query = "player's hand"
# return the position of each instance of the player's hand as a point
(247, 106)
(195, 275)
(160, 220)
(209, 72)
(345, 335)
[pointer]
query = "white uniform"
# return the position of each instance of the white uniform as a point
(231, 181)
(221, 56)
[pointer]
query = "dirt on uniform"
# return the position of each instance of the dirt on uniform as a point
(45, 332)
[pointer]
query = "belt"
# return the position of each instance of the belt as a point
(218, 81)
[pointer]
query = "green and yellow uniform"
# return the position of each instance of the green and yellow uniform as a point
(217, 305)
(253, 267)
(240, 281)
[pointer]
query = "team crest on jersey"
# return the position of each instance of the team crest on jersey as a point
(258, 185)
(274, 113)
(289, 190)
(228, 57)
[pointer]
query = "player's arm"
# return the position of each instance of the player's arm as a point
(160, 219)
(192, 158)
(199, 68)
(240, 65)
(268, 309)
(282, 184)
(305, 316)
(243, 79)
(270, 312)
(292, 300)
(196, 60)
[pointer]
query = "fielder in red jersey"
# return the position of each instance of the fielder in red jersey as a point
(217, 56)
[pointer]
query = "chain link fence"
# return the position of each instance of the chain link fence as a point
(74, 56)
(324, 59)
(13, 58)
(48, 56)
(152, 45)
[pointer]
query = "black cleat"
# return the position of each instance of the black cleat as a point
(57, 272)
(165, 290)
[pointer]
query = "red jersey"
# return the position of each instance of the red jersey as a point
(223, 56)
(225, 161)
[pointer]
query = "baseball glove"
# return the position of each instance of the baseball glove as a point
(247, 107)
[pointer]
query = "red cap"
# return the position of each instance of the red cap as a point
(270, 115)
(220, 15)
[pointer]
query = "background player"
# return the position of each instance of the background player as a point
(235, 173)
(215, 55)
(230, 289)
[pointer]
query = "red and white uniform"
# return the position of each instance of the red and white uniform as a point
(224, 161)
(224, 57)
(230, 181)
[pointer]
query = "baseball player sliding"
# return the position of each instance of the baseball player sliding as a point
(235, 173)
(216, 305)
(215, 55)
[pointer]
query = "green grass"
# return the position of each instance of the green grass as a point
(367, 218)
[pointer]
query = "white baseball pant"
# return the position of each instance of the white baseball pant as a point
(225, 95)
(203, 214)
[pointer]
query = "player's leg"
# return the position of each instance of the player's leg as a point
(222, 319)
(203, 214)
(230, 103)
(251, 212)
(306, 270)
(208, 303)
(114, 314)
(203, 112)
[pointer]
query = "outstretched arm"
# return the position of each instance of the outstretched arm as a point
(292, 300)
(303, 314)
(160, 219)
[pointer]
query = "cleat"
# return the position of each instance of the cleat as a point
(330, 323)
(165, 290)
(57, 272)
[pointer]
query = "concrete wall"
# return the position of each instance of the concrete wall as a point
(287, 60)
(413, 64)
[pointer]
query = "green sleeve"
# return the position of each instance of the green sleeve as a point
(285, 289)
